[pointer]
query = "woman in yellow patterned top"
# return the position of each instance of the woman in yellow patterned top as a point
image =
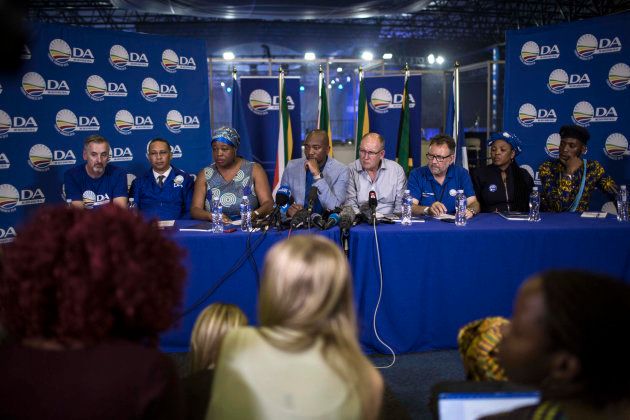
(567, 183)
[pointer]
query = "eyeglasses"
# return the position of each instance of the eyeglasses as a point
(369, 153)
(438, 159)
(160, 153)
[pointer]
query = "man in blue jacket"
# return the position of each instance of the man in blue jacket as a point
(163, 192)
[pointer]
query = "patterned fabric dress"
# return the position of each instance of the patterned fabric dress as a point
(559, 191)
(231, 193)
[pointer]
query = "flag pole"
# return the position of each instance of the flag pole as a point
(456, 102)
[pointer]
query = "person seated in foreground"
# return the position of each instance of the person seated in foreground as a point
(83, 305)
(567, 337)
(304, 361)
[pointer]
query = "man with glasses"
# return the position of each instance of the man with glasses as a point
(319, 170)
(373, 172)
(434, 187)
(163, 191)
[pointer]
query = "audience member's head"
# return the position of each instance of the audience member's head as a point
(568, 337)
(477, 342)
(210, 327)
(75, 278)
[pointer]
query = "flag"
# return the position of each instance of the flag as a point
(454, 123)
(323, 117)
(363, 119)
(403, 128)
(238, 120)
(285, 136)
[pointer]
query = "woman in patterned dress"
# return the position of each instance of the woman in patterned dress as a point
(230, 177)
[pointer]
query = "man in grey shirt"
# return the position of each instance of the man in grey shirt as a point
(373, 172)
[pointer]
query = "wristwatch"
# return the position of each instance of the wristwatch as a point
(426, 211)
(317, 177)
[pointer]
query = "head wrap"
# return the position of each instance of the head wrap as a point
(477, 342)
(509, 138)
(574, 132)
(228, 136)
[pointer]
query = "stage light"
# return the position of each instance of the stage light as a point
(387, 56)
(310, 56)
(222, 84)
(348, 79)
(228, 55)
(332, 82)
(229, 89)
(302, 88)
(339, 69)
(439, 59)
(431, 58)
(329, 86)
(367, 56)
(340, 86)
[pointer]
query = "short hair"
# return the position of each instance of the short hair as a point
(320, 132)
(380, 138)
(60, 283)
(575, 132)
(441, 139)
(161, 140)
(94, 138)
(210, 327)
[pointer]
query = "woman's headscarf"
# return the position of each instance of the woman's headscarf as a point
(227, 135)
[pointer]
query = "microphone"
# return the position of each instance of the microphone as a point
(346, 220)
(283, 200)
(372, 202)
(312, 196)
(317, 220)
(300, 218)
(333, 220)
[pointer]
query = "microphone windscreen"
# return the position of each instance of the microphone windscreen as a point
(333, 220)
(312, 194)
(283, 196)
(346, 217)
(372, 199)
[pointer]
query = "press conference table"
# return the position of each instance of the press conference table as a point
(436, 276)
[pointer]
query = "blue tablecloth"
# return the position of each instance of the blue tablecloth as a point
(436, 276)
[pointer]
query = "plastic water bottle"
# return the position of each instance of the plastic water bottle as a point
(534, 206)
(246, 215)
(217, 215)
(622, 204)
(460, 208)
(405, 217)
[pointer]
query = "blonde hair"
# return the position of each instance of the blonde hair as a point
(306, 288)
(210, 327)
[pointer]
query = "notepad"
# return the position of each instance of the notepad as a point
(594, 214)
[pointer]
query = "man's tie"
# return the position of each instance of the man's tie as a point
(161, 181)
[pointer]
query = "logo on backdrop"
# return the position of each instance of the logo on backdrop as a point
(175, 121)
(587, 46)
(0, 88)
(616, 146)
(171, 62)
(120, 154)
(125, 122)
(5, 163)
(552, 146)
(40, 157)
(34, 86)
(382, 101)
(10, 197)
(26, 53)
(619, 76)
(120, 59)
(7, 234)
(152, 90)
(91, 199)
(260, 102)
(61, 54)
(559, 80)
(584, 114)
(17, 124)
(535, 176)
(528, 115)
(66, 123)
(176, 150)
(97, 88)
(531, 52)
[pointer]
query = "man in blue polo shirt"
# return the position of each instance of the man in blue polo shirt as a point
(96, 183)
(163, 192)
(433, 187)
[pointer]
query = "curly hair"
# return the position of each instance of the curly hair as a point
(76, 275)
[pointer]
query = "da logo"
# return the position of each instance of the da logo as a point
(380, 100)
(259, 102)
(5, 163)
(91, 199)
(528, 115)
(531, 173)
(531, 52)
(552, 146)
(584, 113)
(40, 157)
(120, 59)
(61, 54)
(616, 146)
(7, 234)
(17, 124)
(151, 90)
(66, 123)
(559, 80)
(175, 121)
(171, 62)
(120, 154)
(587, 46)
(125, 122)
(34, 86)
(26, 53)
(619, 76)
(97, 88)
(10, 197)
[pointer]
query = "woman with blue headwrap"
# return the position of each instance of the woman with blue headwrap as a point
(503, 185)
(230, 177)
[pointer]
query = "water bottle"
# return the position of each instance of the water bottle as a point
(405, 216)
(460, 208)
(246, 215)
(534, 206)
(217, 215)
(622, 204)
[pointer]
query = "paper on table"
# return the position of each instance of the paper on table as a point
(594, 214)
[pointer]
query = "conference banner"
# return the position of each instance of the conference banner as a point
(261, 103)
(74, 82)
(574, 73)
(385, 96)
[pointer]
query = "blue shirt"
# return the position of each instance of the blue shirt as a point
(79, 186)
(170, 202)
(424, 188)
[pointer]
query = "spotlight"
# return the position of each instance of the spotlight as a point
(228, 55)
(222, 84)
(301, 88)
(340, 86)
(348, 79)
(431, 59)
(339, 69)
(387, 56)
(310, 56)
(439, 59)
(229, 89)
(332, 82)
(367, 56)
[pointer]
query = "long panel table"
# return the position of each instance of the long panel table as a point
(436, 276)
